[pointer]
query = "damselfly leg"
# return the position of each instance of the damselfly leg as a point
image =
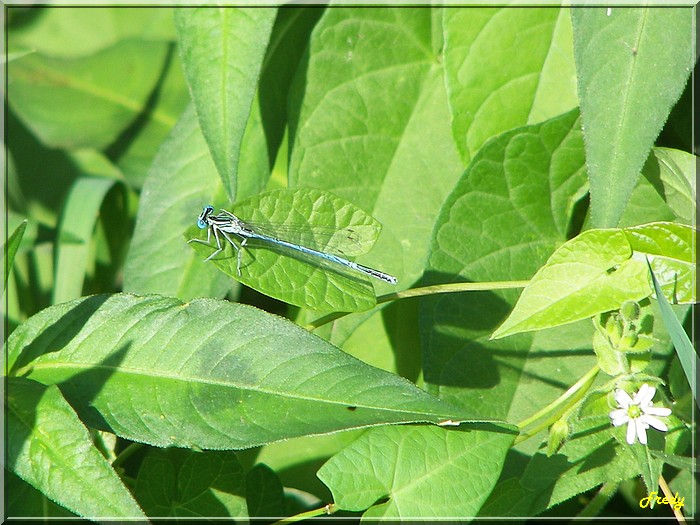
(220, 248)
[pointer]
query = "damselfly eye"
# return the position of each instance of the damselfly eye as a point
(202, 221)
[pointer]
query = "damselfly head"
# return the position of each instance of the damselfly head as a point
(202, 220)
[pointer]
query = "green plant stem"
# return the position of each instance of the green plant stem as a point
(426, 290)
(594, 507)
(553, 411)
(125, 454)
(325, 510)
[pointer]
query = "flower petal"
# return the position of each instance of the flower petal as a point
(652, 421)
(631, 429)
(619, 417)
(623, 398)
(657, 411)
(641, 430)
(645, 395)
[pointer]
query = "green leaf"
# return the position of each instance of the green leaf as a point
(419, 469)
(587, 459)
(590, 274)
(677, 176)
(267, 125)
(680, 462)
(48, 447)
(632, 67)
(666, 192)
(486, 96)
(684, 347)
(186, 484)
(670, 248)
(351, 136)
(222, 50)
(136, 148)
(24, 501)
(181, 180)
(650, 467)
(297, 460)
(53, 31)
(207, 374)
(505, 217)
(10, 249)
(264, 492)
(77, 226)
(51, 95)
(307, 217)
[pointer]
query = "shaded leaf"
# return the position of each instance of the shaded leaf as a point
(49, 447)
(10, 249)
(188, 484)
(509, 212)
(264, 492)
(352, 136)
(50, 94)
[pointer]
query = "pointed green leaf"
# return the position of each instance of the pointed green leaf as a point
(181, 180)
(590, 274)
(421, 470)
(48, 447)
(684, 347)
(632, 66)
(222, 50)
(78, 219)
(267, 126)
(670, 248)
(10, 249)
(307, 217)
(210, 374)
(187, 484)
(51, 95)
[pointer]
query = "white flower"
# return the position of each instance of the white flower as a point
(638, 412)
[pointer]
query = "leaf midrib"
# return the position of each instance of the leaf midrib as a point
(208, 381)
